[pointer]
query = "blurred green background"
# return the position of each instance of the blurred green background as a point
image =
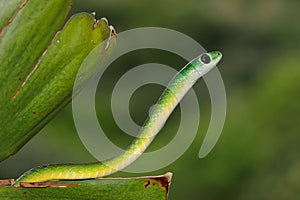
(257, 156)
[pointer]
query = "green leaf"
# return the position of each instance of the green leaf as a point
(26, 37)
(155, 187)
(8, 10)
(27, 28)
(37, 70)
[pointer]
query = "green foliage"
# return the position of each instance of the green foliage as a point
(7, 10)
(37, 70)
(122, 189)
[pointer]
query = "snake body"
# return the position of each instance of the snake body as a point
(167, 102)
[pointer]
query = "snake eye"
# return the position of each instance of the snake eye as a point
(205, 58)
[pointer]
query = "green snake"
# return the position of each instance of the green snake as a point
(175, 91)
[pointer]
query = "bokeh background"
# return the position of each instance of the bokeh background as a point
(257, 156)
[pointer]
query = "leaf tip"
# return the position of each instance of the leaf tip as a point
(164, 181)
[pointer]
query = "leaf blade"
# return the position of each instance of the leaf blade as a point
(155, 187)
